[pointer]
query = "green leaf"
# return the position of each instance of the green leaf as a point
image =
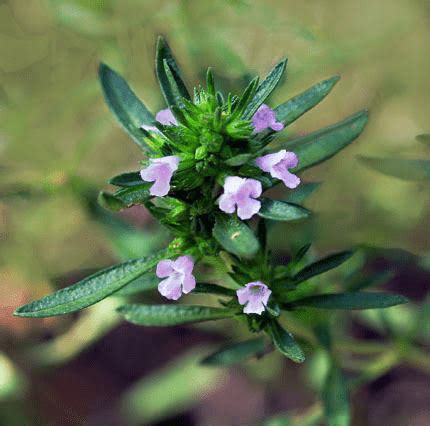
(424, 138)
(146, 282)
(282, 211)
(235, 236)
(130, 112)
(295, 107)
(238, 160)
(126, 180)
(300, 194)
(322, 265)
(335, 398)
(372, 281)
(165, 315)
(414, 170)
(236, 353)
(171, 85)
(90, 290)
(323, 144)
(213, 289)
(110, 202)
(285, 342)
(265, 88)
(356, 300)
(138, 194)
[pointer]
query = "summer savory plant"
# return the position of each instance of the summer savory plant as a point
(208, 159)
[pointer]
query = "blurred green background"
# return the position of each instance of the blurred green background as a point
(59, 145)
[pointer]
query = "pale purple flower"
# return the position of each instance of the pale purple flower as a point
(165, 116)
(254, 296)
(277, 165)
(160, 171)
(240, 193)
(179, 277)
(265, 118)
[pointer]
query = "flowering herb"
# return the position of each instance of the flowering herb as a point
(209, 160)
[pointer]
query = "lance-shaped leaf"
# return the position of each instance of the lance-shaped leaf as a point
(146, 282)
(285, 342)
(265, 88)
(166, 315)
(90, 290)
(236, 353)
(300, 194)
(295, 107)
(138, 194)
(172, 85)
(207, 288)
(282, 211)
(238, 160)
(130, 112)
(404, 169)
(323, 144)
(126, 180)
(335, 398)
(322, 265)
(235, 236)
(356, 300)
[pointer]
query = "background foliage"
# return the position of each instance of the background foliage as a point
(59, 144)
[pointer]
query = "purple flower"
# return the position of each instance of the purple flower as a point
(179, 277)
(254, 296)
(160, 171)
(165, 116)
(264, 118)
(278, 164)
(241, 193)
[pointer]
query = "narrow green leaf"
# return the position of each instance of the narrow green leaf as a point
(214, 289)
(282, 211)
(165, 315)
(146, 282)
(414, 170)
(285, 342)
(235, 353)
(126, 180)
(322, 265)
(424, 138)
(356, 300)
(247, 94)
(265, 89)
(335, 398)
(110, 202)
(90, 290)
(163, 53)
(297, 106)
(238, 160)
(323, 144)
(235, 236)
(138, 194)
(130, 112)
(175, 92)
(300, 194)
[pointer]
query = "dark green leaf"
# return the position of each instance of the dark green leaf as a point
(301, 253)
(335, 398)
(282, 211)
(110, 202)
(285, 342)
(130, 112)
(300, 194)
(138, 194)
(322, 265)
(236, 353)
(265, 89)
(126, 179)
(424, 138)
(90, 290)
(238, 160)
(323, 144)
(146, 282)
(214, 289)
(235, 236)
(170, 93)
(357, 300)
(399, 168)
(247, 94)
(297, 106)
(165, 315)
